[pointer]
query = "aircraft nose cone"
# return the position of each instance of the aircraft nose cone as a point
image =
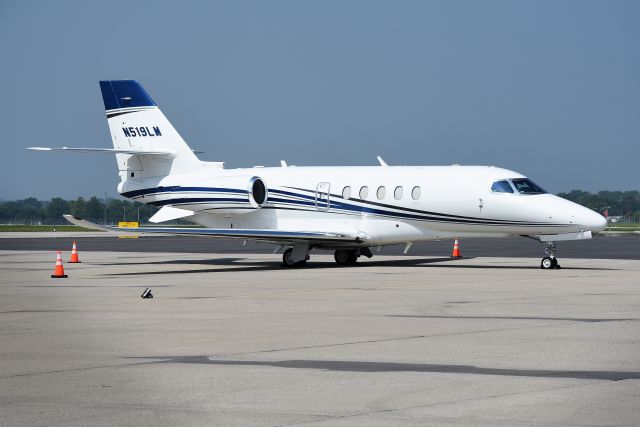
(593, 221)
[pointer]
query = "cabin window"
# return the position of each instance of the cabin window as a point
(416, 192)
(501, 187)
(364, 192)
(526, 186)
(346, 192)
(381, 193)
(397, 193)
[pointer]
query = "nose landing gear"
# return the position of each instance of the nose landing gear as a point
(550, 262)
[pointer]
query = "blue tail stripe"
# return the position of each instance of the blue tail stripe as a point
(108, 96)
(124, 94)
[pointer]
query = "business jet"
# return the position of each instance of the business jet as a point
(345, 209)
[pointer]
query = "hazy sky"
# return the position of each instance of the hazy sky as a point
(547, 88)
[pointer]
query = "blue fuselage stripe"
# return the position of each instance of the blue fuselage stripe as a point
(304, 201)
(177, 189)
(189, 200)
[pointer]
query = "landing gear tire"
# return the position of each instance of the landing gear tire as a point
(287, 260)
(345, 257)
(341, 257)
(549, 263)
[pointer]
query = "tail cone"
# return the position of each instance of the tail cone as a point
(456, 250)
(58, 273)
(74, 254)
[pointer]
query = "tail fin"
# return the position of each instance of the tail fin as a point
(135, 122)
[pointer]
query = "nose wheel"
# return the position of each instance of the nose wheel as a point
(550, 262)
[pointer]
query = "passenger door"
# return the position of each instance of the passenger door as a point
(322, 196)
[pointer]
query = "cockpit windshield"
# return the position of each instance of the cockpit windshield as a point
(501, 187)
(526, 186)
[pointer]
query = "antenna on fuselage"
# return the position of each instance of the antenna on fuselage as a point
(382, 162)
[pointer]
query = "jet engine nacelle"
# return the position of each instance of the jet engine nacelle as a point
(240, 194)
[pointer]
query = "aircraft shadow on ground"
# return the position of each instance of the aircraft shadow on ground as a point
(377, 367)
(245, 265)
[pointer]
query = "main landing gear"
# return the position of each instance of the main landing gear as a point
(298, 256)
(289, 260)
(345, 256)
(350, 256)
(550, 262)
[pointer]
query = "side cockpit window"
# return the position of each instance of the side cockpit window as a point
(501, 187)
(526, 186)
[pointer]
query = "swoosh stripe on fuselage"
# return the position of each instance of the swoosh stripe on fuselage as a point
(385, 205)
(196, 200)
(429, 215)
(176, 188)
(304, 200)
(379, 212)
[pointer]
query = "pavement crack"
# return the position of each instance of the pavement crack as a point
(378, 340)
(87, 368)
(434, 404)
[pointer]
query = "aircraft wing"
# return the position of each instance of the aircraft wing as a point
(272, 236)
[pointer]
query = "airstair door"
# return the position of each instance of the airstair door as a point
(322, 196)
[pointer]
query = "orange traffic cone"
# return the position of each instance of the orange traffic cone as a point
(58, 273)
(74, 254)
(456, 250)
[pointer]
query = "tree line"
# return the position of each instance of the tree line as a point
(34, 211)
(614, 203)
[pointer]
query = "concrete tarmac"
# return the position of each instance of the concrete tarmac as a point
(236, 340)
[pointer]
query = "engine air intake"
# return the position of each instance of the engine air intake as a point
(257, 192)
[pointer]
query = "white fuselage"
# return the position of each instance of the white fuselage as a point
(402, 204)
(348, 209)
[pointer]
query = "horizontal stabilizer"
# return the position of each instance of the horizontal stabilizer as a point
(272, 236)
(166, 153)
(168, 213)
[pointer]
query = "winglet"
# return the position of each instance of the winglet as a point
(76, 220)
